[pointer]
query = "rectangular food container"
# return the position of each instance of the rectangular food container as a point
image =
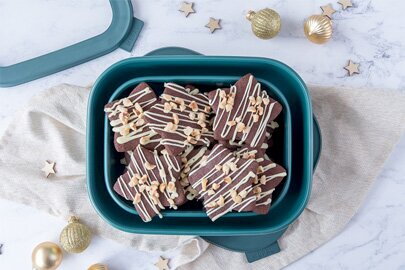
(281, 153)
(275, 74)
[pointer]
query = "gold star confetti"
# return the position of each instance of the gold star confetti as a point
(213, 24)
(48, 168)
(328, 11)
(345, 3)
(187, 8)
(162, 264)
(352, 68)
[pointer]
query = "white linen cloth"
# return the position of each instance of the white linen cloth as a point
(359, 128)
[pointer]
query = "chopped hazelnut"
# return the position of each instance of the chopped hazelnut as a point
(243, 194)
(149, 166)
(259, 100)
(204, 183)
(251, 109)
(166, 107)
(127, 102)
(233, 193)
(193, 106)
(228, 107)
(240, 127)
(124, 131)
(255, 118)
(176, 119)
(221, 201)
(137, 198)
(138, 108)
(207, 108)
(191, 115)
(210, 192)
(212, 204)
(162, 187)
(216, 186)
(231, 123)
(228, 179)
(252, 100)
(263, 179)
(182, 107)
(218, 167)
(257, 190)
(260, 110)
(140, 122)
(167, 97)
(144, 140)
(266, 101)
(237, 199)
(225, 169)
(188, 130)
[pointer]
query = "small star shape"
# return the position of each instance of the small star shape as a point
(352, 68)
(48, 168)
(213, 24)
(162, 264)
(328, 10)
(345, 3)
(187, 8)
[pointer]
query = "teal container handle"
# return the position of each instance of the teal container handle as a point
(122, 32)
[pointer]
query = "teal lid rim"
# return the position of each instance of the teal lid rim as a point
(122, 32)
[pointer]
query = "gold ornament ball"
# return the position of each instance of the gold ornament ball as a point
(318, 29)
(46, 256)
(98, 266)
(266, 23)
(75, 237)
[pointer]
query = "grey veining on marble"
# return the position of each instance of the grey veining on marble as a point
(371, 33)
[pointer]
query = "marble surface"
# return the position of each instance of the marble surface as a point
(371, 33)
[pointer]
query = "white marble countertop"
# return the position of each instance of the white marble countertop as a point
(371, 33)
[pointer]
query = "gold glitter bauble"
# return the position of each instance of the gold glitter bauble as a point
(266, 23)
(318, 29)
(75, 237)
(46, 256)
(98, 266)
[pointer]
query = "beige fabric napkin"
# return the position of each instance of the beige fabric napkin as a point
(359, 130)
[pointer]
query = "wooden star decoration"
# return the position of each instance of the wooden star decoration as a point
(162, 264)
(213, 24)
(328, 10)
(345, 3)
(48, 168)
(352, 68)
(187, 8)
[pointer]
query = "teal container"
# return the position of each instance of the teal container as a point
(280, 153)
(219, 69)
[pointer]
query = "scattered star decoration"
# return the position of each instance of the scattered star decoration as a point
(213, 24)
(187, 8)
(352, 68)
(48, 168)
(162, 264)
(345, 3)
(328, 10)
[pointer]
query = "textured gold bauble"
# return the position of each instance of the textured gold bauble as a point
(266, 23)
(318, 29)
(46, 256)
(98, 266)
(75, 237)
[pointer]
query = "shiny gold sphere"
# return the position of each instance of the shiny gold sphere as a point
(98, 266)
(266, 23)
(46, 256)
(75, 237)
(318, 29)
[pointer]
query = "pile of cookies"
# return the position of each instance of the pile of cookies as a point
(187, 145)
